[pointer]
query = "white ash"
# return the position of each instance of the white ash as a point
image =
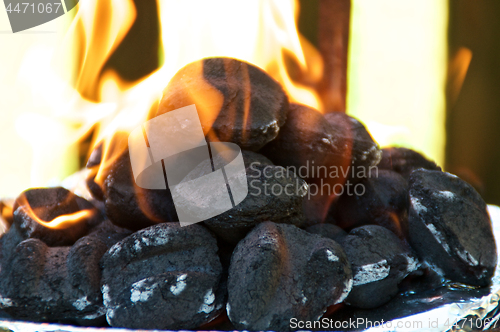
(5, 302)
(272, 125)
(208, 302)
(412, 264)
(180, 285)
(372, 272)
(81, 303)
(444, 194)
(439, 237)
(115, 249)
(347, 289)
(415, 202)
(97, 314)
(331, 256)
(466, 256)
(141, 292)
(105, 295)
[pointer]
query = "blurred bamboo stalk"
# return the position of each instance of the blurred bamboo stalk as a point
(333, 40)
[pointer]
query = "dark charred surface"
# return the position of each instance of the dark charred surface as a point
(379, 262)
(307, 141)
(263, 203)
(236, 101)
(280, 271)
(55, 284)
(450, 227)
(46, 204)
(384, 202)
(404, 161)
(163, 277)
(364, 151)
(130, 206)
(330, 231)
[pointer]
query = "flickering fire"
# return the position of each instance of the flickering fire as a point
(39, 214)
(265, 35)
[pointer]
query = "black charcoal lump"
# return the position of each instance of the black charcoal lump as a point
(404, 161)
(279, 272)
(449, 227)
(163, 277)
(307, 142)
(236, 101)
(365, 152)
(330, 231)
(130, 206)
(382, 200)
(379, 262)
(34, 207)
(274, 194)
(62, 284)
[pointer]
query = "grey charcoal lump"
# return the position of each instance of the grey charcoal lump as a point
(267, 200)
(450, 228)
(61, 284)
(279, 272)
(163, 277)
(379, 261)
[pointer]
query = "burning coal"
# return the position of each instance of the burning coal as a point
(122, 259)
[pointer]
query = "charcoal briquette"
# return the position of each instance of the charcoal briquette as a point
(8, 242)
(330, 231)
(379, 262)
(236, 101)
(318, 209)
(381, 200)
(250, 157)
(162, 277)
(364, 151)
(404, 161)
(56, 284)
(130, 206)
(34, 207)
(449, 227)
(309, 144)
(279, 272)
(274, 194)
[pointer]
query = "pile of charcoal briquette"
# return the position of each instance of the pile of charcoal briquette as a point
(121, 258)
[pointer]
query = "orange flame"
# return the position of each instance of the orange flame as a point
(458, 67)
(64, 221)
(263, 33)
(39, 214)
(90, 99)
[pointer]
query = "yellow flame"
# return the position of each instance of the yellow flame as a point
(260, 32)
(67, 220)
(102, 24)
(68, 97)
